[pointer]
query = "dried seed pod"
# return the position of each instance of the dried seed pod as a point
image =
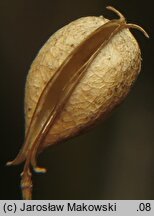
(80, 75)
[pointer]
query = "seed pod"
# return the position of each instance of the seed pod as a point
(80, 75)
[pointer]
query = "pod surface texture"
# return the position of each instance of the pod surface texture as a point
(105, 84)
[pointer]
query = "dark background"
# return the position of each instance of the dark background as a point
(115, 160)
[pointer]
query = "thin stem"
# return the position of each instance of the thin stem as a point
(26, 181)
